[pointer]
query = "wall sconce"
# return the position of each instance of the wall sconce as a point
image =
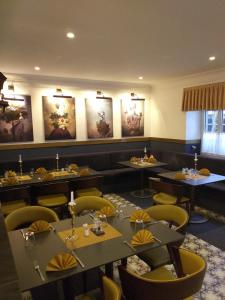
(100, 95)
(136, 97)
(11, 87)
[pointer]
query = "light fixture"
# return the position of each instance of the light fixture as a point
(59, 91)
(136, 97)
(37, 68)
(100, 95)
(211, 58)
(70, 35)
(140, 77)
(59, 94)
(11, 87)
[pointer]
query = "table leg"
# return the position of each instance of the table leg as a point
(142, 193)
(109, 270)
(175, 258)
(195, 218)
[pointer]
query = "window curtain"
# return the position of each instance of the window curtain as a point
(204, 97)
(213, 143)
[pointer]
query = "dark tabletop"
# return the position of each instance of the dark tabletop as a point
(194, 182)
(48, 244)
(135, 166)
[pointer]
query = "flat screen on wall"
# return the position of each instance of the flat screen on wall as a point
(16, 121)
(59, 118)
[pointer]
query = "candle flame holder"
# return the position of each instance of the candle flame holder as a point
(73, 236)
(21, 167)
(57, 164)
(195, 162)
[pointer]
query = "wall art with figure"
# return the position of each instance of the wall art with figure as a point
(59, 118)
(132, 117)
(99, 117)
(16, 122)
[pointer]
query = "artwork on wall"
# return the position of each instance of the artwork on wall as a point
(16, 121)
(59, 118)
(132, 118)
(99, 117)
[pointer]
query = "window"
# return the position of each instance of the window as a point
(213, 138)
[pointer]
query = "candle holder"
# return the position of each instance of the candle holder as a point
(21, 167)
(57, 164)
(73, 236)
(195, 162)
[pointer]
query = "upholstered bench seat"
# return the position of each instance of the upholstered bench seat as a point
(89, 192)
(52, 200)
(10, 206)
(163, 198)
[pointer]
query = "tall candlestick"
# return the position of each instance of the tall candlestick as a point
(20, 158)
(72, 196)
(57, 162)
(57, 156)
(196, 156)
(145, 150)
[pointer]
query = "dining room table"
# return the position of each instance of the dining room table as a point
(193, 182)
(103, 251)
(141, 165)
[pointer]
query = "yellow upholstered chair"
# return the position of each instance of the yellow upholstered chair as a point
(177, 218)
(24, 216)
(52, 194)
(14, 198)
(87, 186)
(90, 203)
(110, 291)
(169, 193)
(160, 284)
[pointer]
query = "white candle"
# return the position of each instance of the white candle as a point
(20, 158)
(57, 156)
(72, 196)
(145, 149)
(196, 156)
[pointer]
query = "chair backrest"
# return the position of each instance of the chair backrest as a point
(90, 203)
(173, 214)
(27, 215)
(87, 182)
(136, 287)
(111, 290)
(168, 188)
(47, 188)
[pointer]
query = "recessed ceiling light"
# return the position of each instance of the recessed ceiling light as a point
(140, 77)
(211, 58)
(70, 35)
(36, 68)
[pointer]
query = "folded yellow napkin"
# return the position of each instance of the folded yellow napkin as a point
(140, 215)
(84, 172)
(60, 262)
(47, 177)
(108, 211)
(142, 237)
(204, 172)
(73, 167)
(41, 170)
(10, 180)
(145, 158)
(39, 226)
(180, 176)
(10, 173)
(134, 159)
(152, 159)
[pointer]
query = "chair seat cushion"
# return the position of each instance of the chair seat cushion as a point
(52, 200)
(163, 198)
(156, 257)
(89, 192)
(159, 274)
(10, 206)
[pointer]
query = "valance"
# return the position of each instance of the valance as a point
(204, 97)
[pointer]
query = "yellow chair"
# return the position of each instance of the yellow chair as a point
(174, 216)
(169, 193)
(160, 284)
(13, 199)
(52, 194)
(23, 217)
(90, 203)
(87, 186)
(111, 291)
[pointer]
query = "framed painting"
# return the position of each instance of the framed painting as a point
(16, 122)
(132, 118)
(99, 118)
(59, 118)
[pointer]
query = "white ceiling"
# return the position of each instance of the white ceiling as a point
(116, 40)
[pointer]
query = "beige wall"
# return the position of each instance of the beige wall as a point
(167, 120)
(80, 89)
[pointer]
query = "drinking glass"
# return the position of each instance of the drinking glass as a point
(29, 239)
(139, 224)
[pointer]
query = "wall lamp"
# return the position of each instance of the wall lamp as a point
(100, 95)
(59, 94)
(136, 98)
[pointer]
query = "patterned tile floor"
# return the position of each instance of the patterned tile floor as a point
(214, 283)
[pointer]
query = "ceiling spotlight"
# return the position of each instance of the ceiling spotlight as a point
(36, 68)
(211, 58)
(140, 77)
(70, 35)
